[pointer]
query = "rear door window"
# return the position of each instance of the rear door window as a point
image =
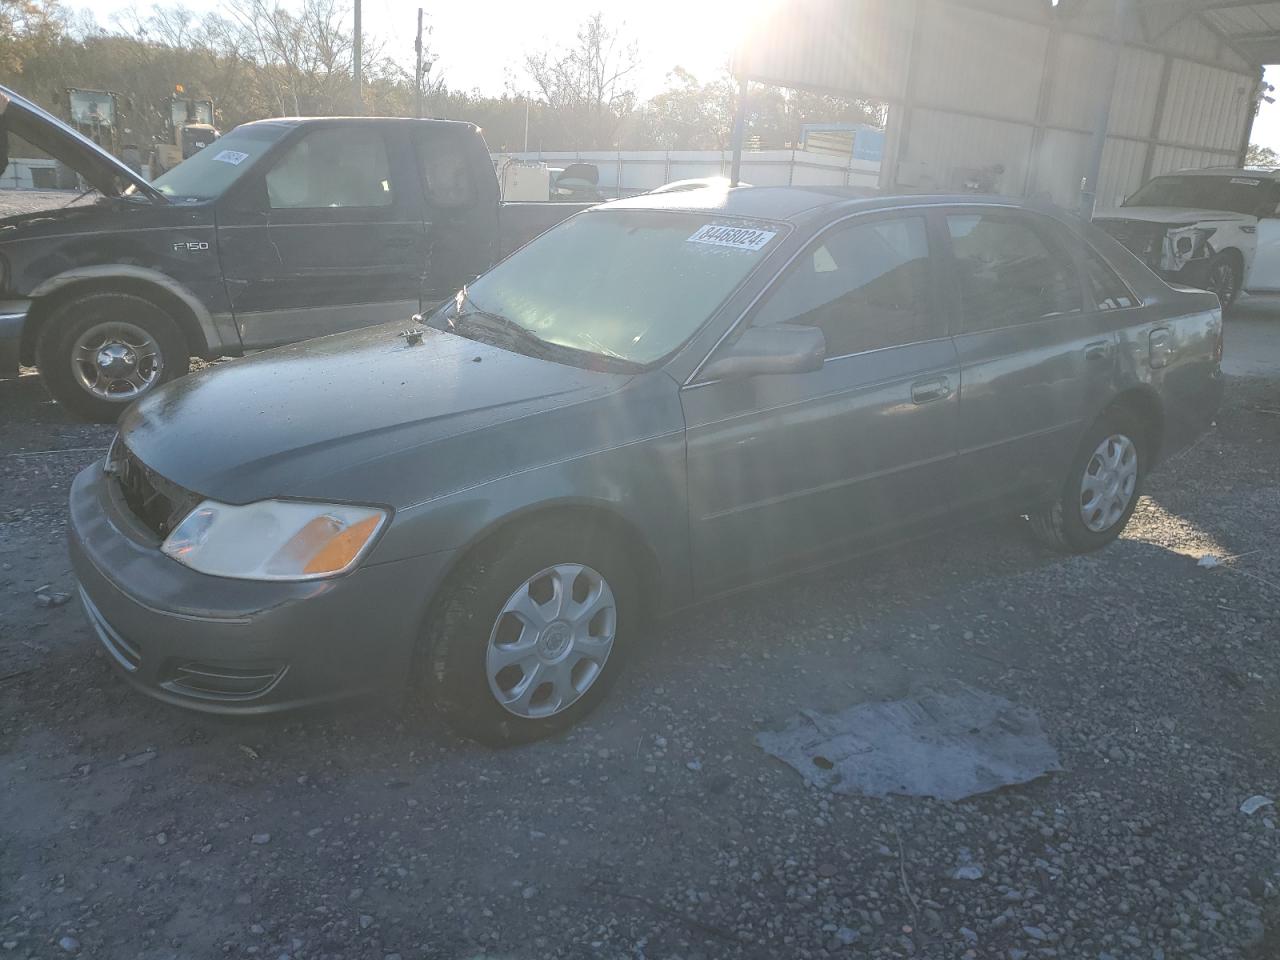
(1106, 290)
(866, 286)
(1008, 273)
(447, 175)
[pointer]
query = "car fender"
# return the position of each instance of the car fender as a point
(210, 332)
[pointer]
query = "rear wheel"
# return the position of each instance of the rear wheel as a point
(1101, 488)
(529, 633)
(99, 352)
(1225, 277)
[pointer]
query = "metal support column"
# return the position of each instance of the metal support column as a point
(739, 132)
(1102, 120)
(355, 62)
(417, 73)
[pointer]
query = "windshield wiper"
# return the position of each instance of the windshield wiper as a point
(517, 336)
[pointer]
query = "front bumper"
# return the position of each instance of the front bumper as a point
(13, 317)
(239, 646)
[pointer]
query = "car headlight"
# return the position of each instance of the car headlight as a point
(274, 539)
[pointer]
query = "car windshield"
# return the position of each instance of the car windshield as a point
(207, 174)
(629, 284)
(1239, 194)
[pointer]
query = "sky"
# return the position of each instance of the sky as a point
(481, 44)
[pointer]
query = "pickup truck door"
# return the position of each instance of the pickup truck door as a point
(787, 470)
(330, 236)
(461, 208)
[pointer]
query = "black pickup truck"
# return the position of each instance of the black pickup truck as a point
(281, 230)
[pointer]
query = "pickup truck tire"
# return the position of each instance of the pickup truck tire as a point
(99, 352)
(542, 617)
(1101, 488)
(1226, 273)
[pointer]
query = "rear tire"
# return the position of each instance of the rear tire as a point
(1101, 488)
(558, 667)
(99, 352)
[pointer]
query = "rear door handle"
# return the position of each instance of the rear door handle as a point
(1160, 347)
(926, 391)
(1098, 350)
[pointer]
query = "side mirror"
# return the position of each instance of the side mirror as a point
(778, 348)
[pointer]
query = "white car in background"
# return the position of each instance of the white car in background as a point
(1216, 228)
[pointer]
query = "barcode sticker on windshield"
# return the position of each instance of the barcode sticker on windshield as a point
(740, 238)
(233, 157)
(1246, 181)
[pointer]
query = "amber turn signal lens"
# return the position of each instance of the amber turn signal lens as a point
(342, 547)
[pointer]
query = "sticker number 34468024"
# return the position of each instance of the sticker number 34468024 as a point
(740, 238)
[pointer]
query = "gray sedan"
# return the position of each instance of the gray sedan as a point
(659, 401)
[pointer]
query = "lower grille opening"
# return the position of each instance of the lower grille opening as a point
(223, 681)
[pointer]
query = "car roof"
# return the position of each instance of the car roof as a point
(1260, 172)
(791, 204)
(383, 121)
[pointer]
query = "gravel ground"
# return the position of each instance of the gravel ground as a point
(658, 829)
(31, 201)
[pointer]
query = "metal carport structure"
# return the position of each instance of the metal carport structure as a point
(1064, 100)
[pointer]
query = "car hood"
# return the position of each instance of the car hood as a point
(1169, 215)
(41, 129)
(314, 419)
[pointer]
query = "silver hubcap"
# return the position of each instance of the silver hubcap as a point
(1110, 479)
(551, 640)
(116, 361)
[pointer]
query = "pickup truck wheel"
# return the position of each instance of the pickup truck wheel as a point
(1224, 277)
(1100, 491)
(100, 352)
(529, 634)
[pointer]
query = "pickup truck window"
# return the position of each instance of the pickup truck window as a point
(210, 172)
(446, 170)
(331, 168)
(628, 284)
(866, 286)
(1008, 275)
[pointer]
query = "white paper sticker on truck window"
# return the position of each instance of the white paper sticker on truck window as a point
(233, 157)
(1246, 181)
(740, 238)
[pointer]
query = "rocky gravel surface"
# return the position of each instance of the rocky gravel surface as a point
(658, 829)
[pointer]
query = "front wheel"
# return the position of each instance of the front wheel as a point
(99, 352)
(1100, 490)
(1224, 278)
(529, 633)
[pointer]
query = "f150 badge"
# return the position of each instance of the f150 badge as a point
(192, 246)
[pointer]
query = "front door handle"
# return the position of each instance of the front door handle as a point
(926, 391)
(1098, 350)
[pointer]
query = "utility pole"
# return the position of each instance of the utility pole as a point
(417, 85)
(355, 63)
(526, 122)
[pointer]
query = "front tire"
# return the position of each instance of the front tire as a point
(1225, 277)
(99, 352)
(1100, 490)
(530, 633)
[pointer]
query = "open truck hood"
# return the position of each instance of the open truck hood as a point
(22, 118)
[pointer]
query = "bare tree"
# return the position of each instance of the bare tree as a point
(587, 86)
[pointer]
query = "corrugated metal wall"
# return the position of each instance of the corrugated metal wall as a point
(974, 84)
